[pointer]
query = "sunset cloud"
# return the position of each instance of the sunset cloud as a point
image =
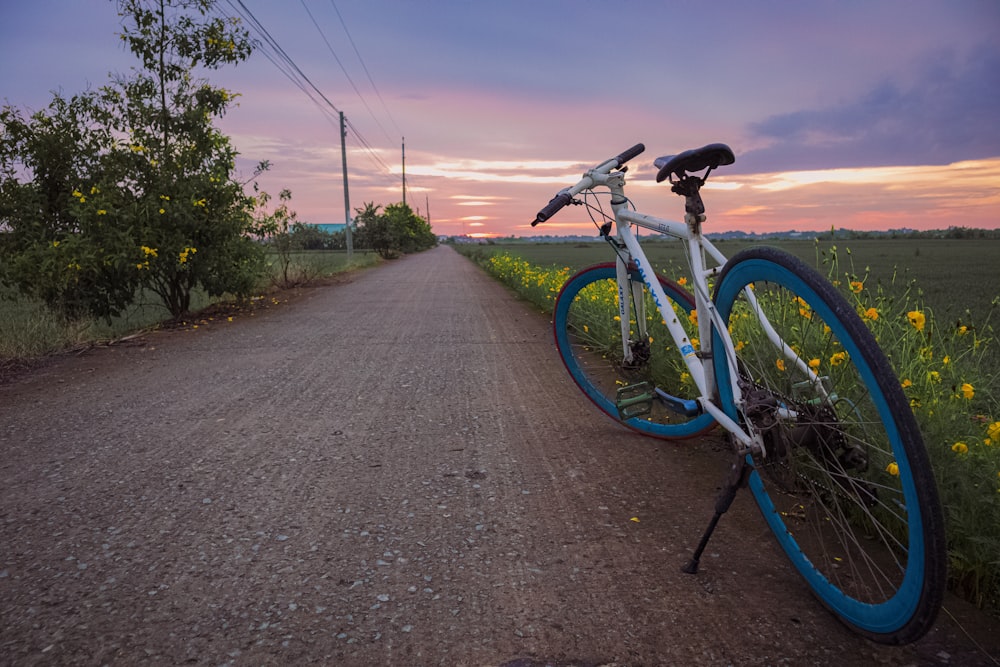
(868, 116)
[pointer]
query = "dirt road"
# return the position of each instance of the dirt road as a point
(392, 471)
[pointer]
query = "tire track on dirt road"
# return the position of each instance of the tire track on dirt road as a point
(396, 471)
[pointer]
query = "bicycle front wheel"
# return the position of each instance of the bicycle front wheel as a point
(846, 484)
(652, 392)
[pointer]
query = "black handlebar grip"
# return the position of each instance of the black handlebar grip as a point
(630, 153)
(553, 207)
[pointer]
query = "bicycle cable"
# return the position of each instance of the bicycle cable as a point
(608, 220)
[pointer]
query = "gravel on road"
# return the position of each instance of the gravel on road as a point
(395, 470)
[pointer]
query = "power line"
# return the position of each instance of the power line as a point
(273, 51)
(280, 59)
(342, 68)
(365, 67)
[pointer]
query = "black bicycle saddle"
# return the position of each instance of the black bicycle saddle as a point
(696, 159)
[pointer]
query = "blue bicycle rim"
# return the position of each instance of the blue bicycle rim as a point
(892, 614)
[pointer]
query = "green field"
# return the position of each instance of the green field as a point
(952, 275)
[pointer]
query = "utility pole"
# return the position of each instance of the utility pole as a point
(404, 171)
(347, 200)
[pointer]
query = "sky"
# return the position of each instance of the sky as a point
(861, 114)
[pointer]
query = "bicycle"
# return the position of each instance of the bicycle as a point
(822, 433)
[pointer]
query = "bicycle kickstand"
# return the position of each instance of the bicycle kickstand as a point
(736, 478)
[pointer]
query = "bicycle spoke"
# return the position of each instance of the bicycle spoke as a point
(854, 505)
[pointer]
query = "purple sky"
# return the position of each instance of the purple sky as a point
(862, 114)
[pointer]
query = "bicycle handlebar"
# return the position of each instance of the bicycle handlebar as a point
(566, 195)
(554, 206)
(625, 156)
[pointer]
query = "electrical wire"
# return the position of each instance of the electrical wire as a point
(385, 107)
(342, 68)
(273, 51)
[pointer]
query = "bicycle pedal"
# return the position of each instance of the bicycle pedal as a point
(634, 400)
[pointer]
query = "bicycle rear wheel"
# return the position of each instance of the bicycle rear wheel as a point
(652, 393)
(846, 484)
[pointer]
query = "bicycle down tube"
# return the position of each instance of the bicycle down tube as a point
(696, 366)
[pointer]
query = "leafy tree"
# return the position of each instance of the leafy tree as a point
(132, 186)
(274, 227)
(190, 215)
(412, 232)
(374, 231)
(397, 230)
(63, 244)
(311, 237)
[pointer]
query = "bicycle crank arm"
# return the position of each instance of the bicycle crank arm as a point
(682, 406)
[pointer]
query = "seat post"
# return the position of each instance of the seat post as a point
(694, 206)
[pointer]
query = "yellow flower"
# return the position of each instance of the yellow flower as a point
(906, 383)
(993, 431)
(77, 193)
(857, 286)
(101, 211)
(682, 281)
(693, 317)
(740, 345)
(162, 211)
(968, 391)
(94, 190)
(946, 360)
(962, 330)
(780, 363)
(892, 469)
(814, 364)
(933, 376)
(149, 252)
(960, 448)
(838, 358)
(871, 314)
(55, 244)
(917, 319)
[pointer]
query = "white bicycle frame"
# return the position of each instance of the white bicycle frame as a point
(699, 363)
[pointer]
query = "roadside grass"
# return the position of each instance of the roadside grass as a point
(29, 330)
(946, 366)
